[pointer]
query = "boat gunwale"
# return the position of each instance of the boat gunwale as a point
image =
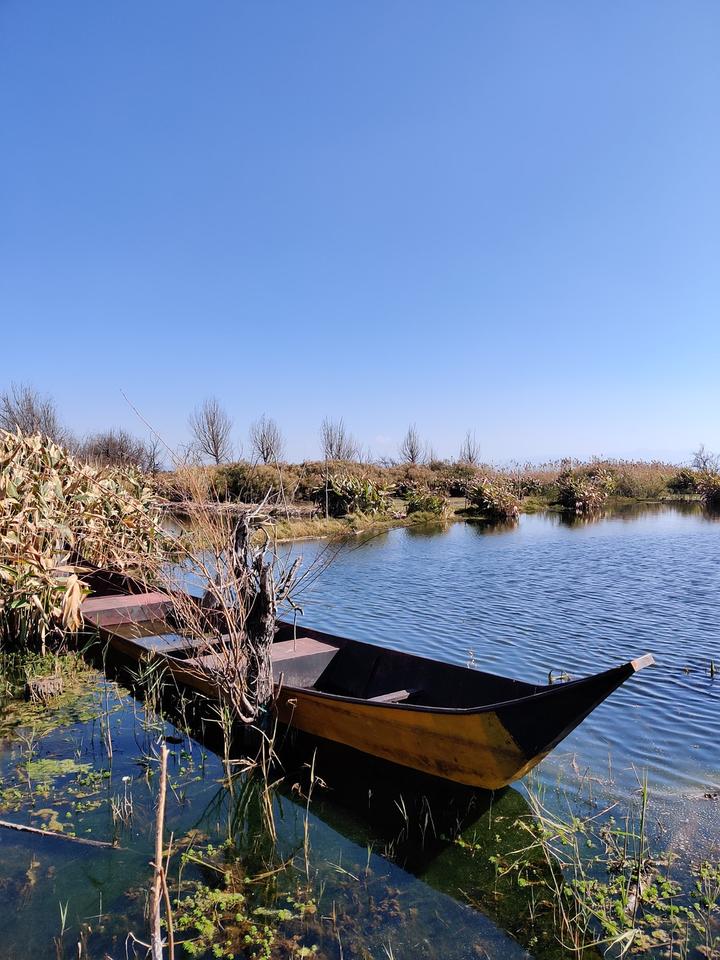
(627, 669)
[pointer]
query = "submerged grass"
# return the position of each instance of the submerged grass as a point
(610, 890)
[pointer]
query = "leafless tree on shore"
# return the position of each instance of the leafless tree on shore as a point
(705, 461)
(470, 450)
(23, 408)
(266, 440)
(337, 443)
(120, 448)
(211, 427)
(411, 446)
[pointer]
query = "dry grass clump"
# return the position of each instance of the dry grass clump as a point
(54, 512)
(584, 493)
(708, 486)
(496, 498)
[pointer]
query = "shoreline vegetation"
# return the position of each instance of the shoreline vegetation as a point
(348, 491)
(334, 499)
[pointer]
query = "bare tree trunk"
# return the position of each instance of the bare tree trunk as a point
(327, 495)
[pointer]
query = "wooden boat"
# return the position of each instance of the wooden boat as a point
(449, 721)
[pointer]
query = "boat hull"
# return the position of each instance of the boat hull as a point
(487, 747)
(470, 748)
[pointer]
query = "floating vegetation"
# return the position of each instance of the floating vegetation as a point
(46, 770)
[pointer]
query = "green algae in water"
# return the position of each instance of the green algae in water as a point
(46, 770)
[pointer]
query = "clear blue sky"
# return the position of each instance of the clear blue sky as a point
(498, 215)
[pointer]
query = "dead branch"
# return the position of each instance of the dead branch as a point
(58, 836)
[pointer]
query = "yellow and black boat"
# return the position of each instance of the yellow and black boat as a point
(449, 721)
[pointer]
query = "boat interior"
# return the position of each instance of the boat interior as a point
(313, 660)
(347, 668)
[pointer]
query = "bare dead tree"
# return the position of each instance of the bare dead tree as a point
(23, 408)
(411, 446)
(211, 427)
(337, 443)
(470, 450)
(705, 461)
(154, 448)
(245, 583)
(266, 440)
(119, 448)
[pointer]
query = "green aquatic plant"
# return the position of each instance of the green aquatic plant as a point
(433, 504)
(221, 919)
(346, 494)
(610, 890)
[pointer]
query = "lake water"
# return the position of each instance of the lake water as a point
(569, 598)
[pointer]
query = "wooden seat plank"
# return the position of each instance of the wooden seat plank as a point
(125, 608)
(171, 643)
(395, 696)
(285, 650)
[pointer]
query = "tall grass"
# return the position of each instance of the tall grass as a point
(55, 513)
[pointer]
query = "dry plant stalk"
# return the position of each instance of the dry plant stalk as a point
(234, 561)
(156, 941)
(55, 511)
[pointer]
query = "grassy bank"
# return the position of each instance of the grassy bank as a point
(342, 498)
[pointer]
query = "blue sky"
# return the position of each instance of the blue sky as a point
(496, 215)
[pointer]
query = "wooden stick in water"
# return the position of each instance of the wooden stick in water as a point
(56, 833)
(156, 941)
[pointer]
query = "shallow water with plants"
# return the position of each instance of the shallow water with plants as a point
(282, 873)
(550, 598)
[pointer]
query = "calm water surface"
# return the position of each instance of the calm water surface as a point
(573, 598)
